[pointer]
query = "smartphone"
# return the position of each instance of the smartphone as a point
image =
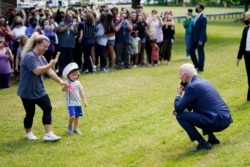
(57, 55)
(102, 8)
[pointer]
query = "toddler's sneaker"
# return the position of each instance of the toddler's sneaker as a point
(51, 137)
(31, 136)
(70, 130)
(77, 132)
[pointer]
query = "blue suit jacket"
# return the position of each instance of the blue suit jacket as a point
(199, 29)
(242, 47)
(206, 101)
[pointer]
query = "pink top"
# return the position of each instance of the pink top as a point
(155, 53)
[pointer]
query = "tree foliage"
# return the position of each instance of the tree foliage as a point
(247, 2)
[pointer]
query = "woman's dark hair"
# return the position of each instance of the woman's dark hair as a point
(89, 19)
(102, 18)
(201, 6)
(110, 24)
(114, 9)
(104, 22)
(42, 22)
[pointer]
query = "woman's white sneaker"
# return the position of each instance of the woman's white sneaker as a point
(77, 132)
(51, 137)
(31, 136)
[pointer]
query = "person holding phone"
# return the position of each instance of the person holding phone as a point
(154, 33)
(47, 30)
(5, 31)
(199, 105)
(6, 59)
(123, 28)
(31, 87)
(67, 31)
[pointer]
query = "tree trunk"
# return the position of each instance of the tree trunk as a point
(247, 5)
(135, 3)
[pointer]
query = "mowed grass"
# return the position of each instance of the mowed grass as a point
(129, 120)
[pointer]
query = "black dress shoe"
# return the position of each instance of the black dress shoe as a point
(213, 141)
(202, 146)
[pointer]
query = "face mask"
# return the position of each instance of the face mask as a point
(246, 22)
(69, 20)
(33, 25)
(196, 10)
(18, 23)
(46, 27)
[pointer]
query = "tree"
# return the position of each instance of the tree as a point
(247, 2)
(135, 3)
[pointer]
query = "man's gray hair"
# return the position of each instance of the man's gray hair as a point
(189, 69)
(247, 15)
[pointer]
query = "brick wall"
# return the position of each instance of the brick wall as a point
(4, 4)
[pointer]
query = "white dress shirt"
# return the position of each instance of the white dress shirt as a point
(248, 41)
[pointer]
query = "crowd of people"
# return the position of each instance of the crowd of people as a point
(96, 37)
(88, 39)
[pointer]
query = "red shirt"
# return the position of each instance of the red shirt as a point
(155, 53)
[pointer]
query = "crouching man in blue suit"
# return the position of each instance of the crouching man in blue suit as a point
(200, 106)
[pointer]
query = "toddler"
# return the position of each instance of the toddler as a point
(74, 91)
(135, 47)
(154, 53)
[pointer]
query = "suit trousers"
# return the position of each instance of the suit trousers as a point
(189, 121)
(200, 60)
(247, 65)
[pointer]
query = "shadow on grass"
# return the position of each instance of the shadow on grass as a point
(15, 145)
(188, 155)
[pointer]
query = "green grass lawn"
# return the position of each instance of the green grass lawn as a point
(129, 120)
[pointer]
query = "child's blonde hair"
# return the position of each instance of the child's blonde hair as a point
(21, 43)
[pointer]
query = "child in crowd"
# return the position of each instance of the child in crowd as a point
(23, 41)
(135, 47)
(74, 91)
(154, 53)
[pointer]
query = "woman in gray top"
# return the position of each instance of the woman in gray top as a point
(31, 88)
